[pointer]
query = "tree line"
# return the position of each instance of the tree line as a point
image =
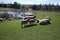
(15, 5)
(45, 7)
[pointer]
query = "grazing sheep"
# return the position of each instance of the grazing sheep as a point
(32, 20)
(4, 19)
(23, 22)
(28, 18)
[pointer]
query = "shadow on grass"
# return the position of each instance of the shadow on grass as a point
(45, 24)
(31, 25)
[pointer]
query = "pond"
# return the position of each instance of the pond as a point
(15, 13)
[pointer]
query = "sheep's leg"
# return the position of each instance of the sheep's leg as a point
(31, 23)
(21, 25)
(1, 20)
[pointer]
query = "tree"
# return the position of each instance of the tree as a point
(40, 7)
(34, 7)
(15, 4)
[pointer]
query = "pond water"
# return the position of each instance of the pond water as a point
(15, 13)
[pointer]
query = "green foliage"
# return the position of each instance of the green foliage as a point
(5, 15)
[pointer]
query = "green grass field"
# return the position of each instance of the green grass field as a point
(11, 30)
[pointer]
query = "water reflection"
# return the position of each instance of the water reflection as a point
(15, 13)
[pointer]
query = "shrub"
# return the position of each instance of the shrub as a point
(5, 15)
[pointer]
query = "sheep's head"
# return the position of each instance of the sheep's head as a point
(38, 20)
(47, 17)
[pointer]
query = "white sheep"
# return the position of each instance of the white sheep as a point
(47, 17)
(44, 21)
(1, 19)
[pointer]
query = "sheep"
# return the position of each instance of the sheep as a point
(44, 21)
(30, 16)
(23, 22)
(26, 20)
(32, 21)
(1, 19)
(47, 17)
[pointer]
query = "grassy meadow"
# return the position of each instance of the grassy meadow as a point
(11, 30)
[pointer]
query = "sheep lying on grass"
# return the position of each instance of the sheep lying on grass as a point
(2, 19)
(44, 21)
(47, 17)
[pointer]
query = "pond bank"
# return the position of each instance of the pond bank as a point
(9, 9)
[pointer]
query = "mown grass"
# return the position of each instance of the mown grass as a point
(11, 30)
